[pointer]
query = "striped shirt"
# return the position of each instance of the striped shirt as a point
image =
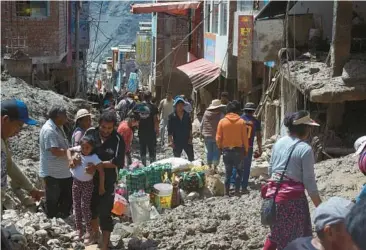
(52, 136)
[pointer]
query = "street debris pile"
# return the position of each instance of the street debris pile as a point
(216, 222)
(310, 75)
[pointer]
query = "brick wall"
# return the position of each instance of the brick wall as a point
(44, 36)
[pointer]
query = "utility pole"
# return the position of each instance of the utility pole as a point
(341, 39)
(77, 46)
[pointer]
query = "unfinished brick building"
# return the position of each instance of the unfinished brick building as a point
(39, 29)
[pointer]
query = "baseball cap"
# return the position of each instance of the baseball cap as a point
(305, 120)
(250, 106)
(360, 144)
(16, 110)
(331, 212)
(178, 100)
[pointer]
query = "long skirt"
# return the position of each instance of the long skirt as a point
(292, 222)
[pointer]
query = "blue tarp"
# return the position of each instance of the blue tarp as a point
(132, 85)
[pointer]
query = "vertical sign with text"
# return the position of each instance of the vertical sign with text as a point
(245, 39)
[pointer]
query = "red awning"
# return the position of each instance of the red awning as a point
(201, 72)
(170, 7)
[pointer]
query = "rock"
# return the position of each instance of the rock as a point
(313, 70)
(53, 242)
(29, 232)
(237, 244)
(193, 196)
(116, 242)
(243, 236)
(41, 234)
(45, 226)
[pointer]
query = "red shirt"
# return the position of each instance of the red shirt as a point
(127, 133)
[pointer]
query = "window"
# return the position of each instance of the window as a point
(215, 18)
(223, 18)
(207, 16)
(32, 8)
(245, 5)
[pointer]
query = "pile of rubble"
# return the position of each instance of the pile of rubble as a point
(213, 223)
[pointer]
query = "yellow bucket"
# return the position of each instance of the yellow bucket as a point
(163, 195)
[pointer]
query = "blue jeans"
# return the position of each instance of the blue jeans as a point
(233, 162)
(163, 125)
(247, 164)
(213, 154)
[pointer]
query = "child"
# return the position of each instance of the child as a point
(82, 187)
(125, 129)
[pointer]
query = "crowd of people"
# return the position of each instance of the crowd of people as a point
(80, 172)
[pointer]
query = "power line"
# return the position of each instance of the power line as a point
(96, 35)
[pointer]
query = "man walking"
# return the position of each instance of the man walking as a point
(232, 141)
(254, 130)
(14, 114)
(165, 109)
(54, 165)
(125, 105)
(180, 130)
(110, 148)
(148, 129)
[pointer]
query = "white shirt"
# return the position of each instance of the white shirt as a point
(166, 108)
(79, 171)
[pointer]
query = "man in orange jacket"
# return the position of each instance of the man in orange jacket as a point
(232, 140)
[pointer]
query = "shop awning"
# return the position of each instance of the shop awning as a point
(167, 7)
(201, 72)
(274, 8)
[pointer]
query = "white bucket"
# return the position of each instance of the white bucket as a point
(140, 208)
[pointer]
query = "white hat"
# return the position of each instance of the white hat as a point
(82, 113)
(215, 104)
(360, 144)
(305, 120)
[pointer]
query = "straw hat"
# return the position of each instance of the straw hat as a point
(216, 104)
(82, 113)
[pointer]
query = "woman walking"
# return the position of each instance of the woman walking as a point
(210, 120)
(292, 210)
(82, 124)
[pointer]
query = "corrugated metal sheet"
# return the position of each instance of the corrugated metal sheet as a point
(167, 7)
(201, 72)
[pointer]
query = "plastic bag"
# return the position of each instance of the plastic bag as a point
(178, 164)
(119, 206)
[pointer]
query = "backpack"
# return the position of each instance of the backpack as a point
(143, 110)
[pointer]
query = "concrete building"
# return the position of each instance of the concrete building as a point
(318, 49)
(171, 23)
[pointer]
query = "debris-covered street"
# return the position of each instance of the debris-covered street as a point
(181, 125)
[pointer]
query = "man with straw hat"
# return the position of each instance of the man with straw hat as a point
(210, 120)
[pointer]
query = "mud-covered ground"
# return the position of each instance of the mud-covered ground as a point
(213, 223)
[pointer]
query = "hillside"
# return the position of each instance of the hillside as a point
(117, 23)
